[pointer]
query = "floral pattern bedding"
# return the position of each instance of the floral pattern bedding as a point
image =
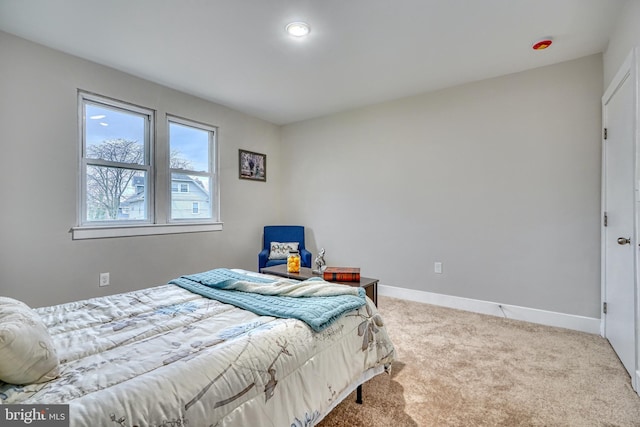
(164, 356)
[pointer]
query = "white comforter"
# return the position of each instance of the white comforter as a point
(167, 357)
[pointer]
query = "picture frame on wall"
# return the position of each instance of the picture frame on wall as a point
(252, 166)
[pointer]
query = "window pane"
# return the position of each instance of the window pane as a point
(114, 135)
(183, 203)
(189, 147)
(115, 194)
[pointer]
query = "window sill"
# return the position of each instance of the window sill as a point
(81, 233)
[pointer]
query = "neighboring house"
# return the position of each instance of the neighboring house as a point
(189, 199)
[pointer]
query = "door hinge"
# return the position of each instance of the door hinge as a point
(604, 307)
(605, 133)
(605, 219)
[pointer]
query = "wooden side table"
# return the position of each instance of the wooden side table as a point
(370, 285)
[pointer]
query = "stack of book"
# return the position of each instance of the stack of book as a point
(341, 274)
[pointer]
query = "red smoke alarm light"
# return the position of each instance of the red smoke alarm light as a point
(542, 44)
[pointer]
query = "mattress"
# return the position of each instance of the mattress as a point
(167, 356)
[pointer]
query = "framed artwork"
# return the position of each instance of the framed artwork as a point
(252, 165)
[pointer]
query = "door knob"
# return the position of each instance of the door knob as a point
(623, 241)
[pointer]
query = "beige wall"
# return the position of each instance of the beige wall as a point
(499, 180)
(39, 263)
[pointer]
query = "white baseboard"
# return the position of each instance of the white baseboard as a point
(550, 318)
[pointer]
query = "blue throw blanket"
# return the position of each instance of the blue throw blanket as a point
(317, 312)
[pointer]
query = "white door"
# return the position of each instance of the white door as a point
(619, 242)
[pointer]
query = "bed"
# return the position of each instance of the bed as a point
(168, 356)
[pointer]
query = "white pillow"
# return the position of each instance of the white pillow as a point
(27, 353)
(281, 250)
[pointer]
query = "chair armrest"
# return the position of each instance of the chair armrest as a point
(263, 256)
(305, 256)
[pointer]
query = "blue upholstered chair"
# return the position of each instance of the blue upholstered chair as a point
(282, 234)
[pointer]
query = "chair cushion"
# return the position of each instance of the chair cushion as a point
(272, 262)
(280, 250)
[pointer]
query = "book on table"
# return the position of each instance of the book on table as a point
(341, 274)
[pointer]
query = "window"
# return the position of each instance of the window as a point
(116, 162)
(117, 188)
(191, 146)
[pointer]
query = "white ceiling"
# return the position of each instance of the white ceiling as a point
(359, 52)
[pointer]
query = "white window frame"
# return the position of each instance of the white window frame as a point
(85, 98)
(212, 174)
(126, 228)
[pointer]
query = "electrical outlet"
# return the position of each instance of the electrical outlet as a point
(104, 279)
(437, 267)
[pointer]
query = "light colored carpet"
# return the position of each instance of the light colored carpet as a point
(456, 368)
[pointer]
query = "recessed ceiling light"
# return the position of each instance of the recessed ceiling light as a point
(298, 29)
